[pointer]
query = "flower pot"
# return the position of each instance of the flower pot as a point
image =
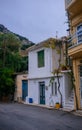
(57, 105)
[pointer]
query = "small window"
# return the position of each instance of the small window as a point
(40, 58)
(54, 88)
(80, 70)
(79, 33)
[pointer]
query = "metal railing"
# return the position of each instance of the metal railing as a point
(75, 39)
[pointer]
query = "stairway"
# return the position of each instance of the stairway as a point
(70, 102)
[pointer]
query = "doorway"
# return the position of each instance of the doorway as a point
(24, 89)
(42, 92)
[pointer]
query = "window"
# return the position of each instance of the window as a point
(79, 33)
(80, 69)
(54, 88)
(40, 58)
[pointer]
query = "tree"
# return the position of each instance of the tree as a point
(6, 82)
(9, 45)
(10, 62)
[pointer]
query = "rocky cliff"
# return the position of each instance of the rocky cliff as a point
(25, 41)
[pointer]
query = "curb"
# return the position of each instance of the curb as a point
(38, 105)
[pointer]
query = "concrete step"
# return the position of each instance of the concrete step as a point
(69, 102)
(69, 105)
(70, 108)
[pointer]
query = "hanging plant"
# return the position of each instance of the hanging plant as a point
(63, 67)
(51, 81)
(52, 43)
(56, 71)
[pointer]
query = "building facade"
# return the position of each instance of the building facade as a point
(21, 87)
(74, 11)
(44, 87)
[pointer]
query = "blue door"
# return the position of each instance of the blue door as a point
(24, 89)
(42, 92)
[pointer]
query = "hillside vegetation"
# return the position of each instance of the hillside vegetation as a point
(11, 62)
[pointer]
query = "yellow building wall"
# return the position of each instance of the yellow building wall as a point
(75, 52)
(18, 88)
(76, 63)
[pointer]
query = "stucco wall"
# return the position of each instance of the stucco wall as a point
(51, 62)
(37, 75)
(68, 85)
(56, 56)
(34, 71)
(50, 100)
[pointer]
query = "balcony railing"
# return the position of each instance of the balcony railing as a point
(75, 39)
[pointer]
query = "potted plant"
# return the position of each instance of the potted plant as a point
(63, 67)
(57, 105)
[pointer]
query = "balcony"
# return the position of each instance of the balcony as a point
(76, 38)
(75, 51)
(74, 7)
(75, 43)
(75, 46)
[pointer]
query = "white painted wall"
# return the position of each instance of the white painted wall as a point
(34, 71)
(33, 91)
(51, 62)
(67, 84)
(37, 75)
(50, 100)
(56, 57)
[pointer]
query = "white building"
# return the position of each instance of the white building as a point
(42, 62)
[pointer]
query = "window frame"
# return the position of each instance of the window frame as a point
(40, 57)
(54, 89)
(79, 33)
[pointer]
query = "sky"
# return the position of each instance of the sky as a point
(36, 20)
